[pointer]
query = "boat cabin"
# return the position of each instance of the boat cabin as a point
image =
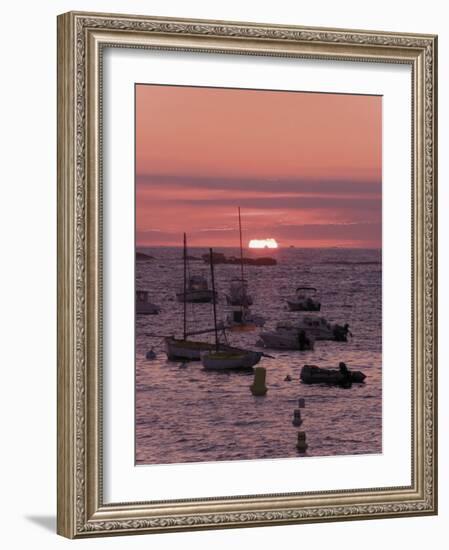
(142, 296)
(305, 292)
(198, 282)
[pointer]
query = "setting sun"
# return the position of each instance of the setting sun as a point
(263, 243)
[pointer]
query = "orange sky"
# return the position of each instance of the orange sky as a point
(304, 167)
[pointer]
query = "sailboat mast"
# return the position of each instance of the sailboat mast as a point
(185, 286)
(241, 247)
(212, 276)
(242, 277)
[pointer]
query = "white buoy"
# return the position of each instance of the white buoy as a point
(151, 354)
(297, 420)
(301, 402)
(301, 444)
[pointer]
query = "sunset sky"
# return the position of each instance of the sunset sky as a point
(305, 168)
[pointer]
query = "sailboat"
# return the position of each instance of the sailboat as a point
(184, 349)
(196, 289)
(241, 317)
(222, 359)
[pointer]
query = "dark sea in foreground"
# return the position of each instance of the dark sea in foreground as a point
(187, 414)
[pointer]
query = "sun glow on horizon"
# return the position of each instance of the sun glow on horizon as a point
(263, 243)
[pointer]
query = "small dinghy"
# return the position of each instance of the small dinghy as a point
(310, 374)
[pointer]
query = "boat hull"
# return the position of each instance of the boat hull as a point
(196, 296)
(307, 305)
(238, 301)
(147, 308)
(316, 375)
(284, 341)
(189, 350)
(244, 360)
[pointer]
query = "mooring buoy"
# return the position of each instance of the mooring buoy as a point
(258, 386)
(150, 355)
(297, 420)
(301, 444)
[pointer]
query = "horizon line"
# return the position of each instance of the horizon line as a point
(278, 248)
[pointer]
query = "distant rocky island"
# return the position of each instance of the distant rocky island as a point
(220, 258)
(141, 257)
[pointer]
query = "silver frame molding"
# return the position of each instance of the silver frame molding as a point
(81, 38)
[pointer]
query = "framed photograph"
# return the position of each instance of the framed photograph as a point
(246, 274)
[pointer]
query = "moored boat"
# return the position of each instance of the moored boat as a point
(184, 349)
(238, 293)
(243, 319)
(143, 305)
(321, 329)
(311, 374)
(226, 359)
(197, 291)
(287, 336)
(304, 300)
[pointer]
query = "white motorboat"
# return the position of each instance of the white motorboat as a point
(301, 334)
(197, 291)
(287, 336)
(238, 293)
(143, 305)
(304, 300)
(320, 329)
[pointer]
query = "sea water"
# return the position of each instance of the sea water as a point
(187, 414)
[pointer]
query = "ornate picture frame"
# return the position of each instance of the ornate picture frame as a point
(82, 38)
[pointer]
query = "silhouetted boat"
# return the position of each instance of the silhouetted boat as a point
(229, 360)
(226, 359)
(143, 305)
(310, 374)
(238, 293)
(304, 300)
(184, 348)
(287, 336)
(195, 289)
(241, 318)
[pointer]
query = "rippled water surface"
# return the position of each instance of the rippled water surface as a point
(187, 414)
